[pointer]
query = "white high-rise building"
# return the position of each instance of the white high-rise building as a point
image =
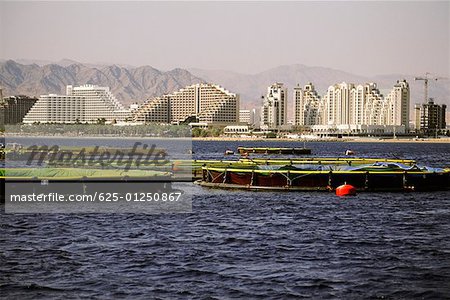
(273, 111)
(82, 104)
(307, 105)
(348, 106)
(338, 104)
(364, 105)
(208, 103)
(373, 105)
(398, 105)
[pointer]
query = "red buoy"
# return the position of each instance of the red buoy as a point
(346, 190)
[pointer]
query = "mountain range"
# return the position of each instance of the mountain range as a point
(128, 84)
(136, 84)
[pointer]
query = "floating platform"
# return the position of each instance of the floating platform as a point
(295, 151)
(350, 161)
(79, 175)
(81, 181)
(302, 174)
(377, 177)
(192, 169)
(37, 153)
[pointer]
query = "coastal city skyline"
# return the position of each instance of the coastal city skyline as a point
(365, 38)
(345, 108)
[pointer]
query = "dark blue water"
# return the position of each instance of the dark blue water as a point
(243, 244)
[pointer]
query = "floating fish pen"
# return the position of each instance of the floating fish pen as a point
(18, 152)
(78, 175)
(196, 165)
(82, 181)
(351, 161)
(386, 176)
(294, 151)
(304, 174)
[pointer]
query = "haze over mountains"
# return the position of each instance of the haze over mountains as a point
(128, 84)
(136, 84)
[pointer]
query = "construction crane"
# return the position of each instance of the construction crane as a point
(425, 79)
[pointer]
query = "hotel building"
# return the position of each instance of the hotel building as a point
(82, 104)
(368, 105)
(354, 107)
(308, 105)
(208, 103)
(397, 101)
(273, 111)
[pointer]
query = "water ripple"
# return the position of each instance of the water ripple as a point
(239, 245)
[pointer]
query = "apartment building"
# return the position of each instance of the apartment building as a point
(273, 111)
(308, 105)
(350, 105)
(83, 104)
(208, 103)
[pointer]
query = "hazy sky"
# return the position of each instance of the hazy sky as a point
(366, 38)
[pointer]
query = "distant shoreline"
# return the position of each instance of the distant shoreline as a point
(327, 140)
(240, 139)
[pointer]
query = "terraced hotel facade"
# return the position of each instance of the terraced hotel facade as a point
(83, 104)
(208, 103)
